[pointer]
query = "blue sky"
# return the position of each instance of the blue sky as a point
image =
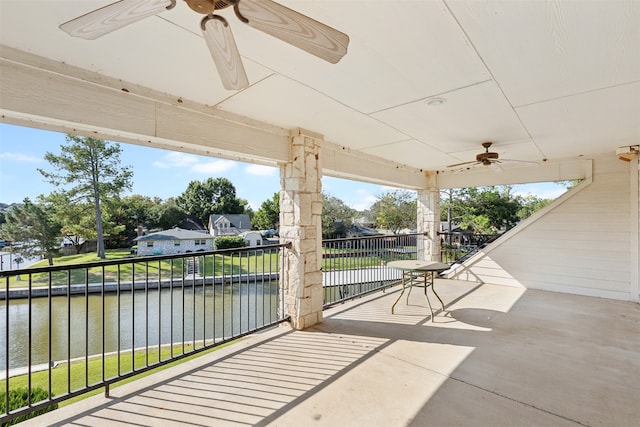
(166, 174)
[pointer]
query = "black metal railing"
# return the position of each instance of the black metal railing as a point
(68, 330)
(356, 266)
(73, 329)
(456, 246)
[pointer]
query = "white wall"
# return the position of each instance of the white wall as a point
(585, 243)
(168, 247)
(252, 239)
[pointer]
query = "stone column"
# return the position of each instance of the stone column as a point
(300, 225)
(428, 219)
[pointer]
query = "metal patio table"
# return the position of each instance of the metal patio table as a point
(419, 274)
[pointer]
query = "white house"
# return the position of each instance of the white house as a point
(252, 238)
(173, 241)
(229, 224)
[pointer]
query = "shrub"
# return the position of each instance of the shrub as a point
(227, 242)
(19, 398)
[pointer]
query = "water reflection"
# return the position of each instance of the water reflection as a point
(131, 320)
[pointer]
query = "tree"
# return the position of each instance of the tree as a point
(91, 167)
(77, 221)
(498, 208)
(531, 204)
(488, 210)
(228, 242)
(35, 228)
(246, 208)
(451, 209)
(395, 210)
(268, 216)
(168, 214)
(569, 184)
(133, 211)
(213, 196)
(337, 217)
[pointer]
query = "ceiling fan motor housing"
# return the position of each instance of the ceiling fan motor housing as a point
(486, 156)
(207, 6)
(222, 4)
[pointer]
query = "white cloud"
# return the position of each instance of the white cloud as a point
(543, 190)
(193, 163)
(214, 167)
(388, 189)
(176, 160)
(364, 200)
(19, 157)
(260, 170)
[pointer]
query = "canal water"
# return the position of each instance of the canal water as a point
(73, 327)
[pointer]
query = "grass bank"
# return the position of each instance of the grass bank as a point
(78, 374)
(208, 265)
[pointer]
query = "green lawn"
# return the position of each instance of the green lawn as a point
(78, 369)
(361, 257)
(209, 265)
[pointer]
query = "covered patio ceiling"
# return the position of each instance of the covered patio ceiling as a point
(547, 82)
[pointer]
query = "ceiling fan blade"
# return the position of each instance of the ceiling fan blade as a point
(224, 51)
(495, 166)
(463, 164)
(294, 28)
(522, 162)
(109, 18)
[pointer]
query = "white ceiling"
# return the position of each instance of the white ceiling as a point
(541, 79)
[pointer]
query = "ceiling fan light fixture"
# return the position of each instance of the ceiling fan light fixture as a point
(114, 16)
(201, 6)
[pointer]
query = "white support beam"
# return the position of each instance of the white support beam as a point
(567, 170)
(68, 101)
(341, 162)
(40, 93)
(45, 94)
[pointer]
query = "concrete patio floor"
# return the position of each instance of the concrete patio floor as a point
(498, 356)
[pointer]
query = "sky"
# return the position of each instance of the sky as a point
(165, 174)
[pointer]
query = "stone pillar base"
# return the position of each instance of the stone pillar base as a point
(428, 219)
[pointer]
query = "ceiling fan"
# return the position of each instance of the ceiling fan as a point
(267, 16)
(489, 158)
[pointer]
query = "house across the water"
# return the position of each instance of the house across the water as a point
(174, 241)
(229, 224)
